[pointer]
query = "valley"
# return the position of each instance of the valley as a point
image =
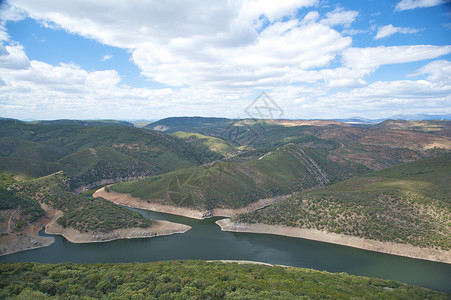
(377, 187)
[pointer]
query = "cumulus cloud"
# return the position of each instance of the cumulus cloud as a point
(382, 98)
(281, 50)
(412, 4)
(437, 71)
(388, 30)
(212, 56)
(367, 60)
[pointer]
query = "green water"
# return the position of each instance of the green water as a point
(206, 241)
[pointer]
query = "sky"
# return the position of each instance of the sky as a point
(151, 59)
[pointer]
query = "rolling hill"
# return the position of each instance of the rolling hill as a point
(376, 146)
(235, 184)
(407, 204)
(80, 211)
(91, 155)
(94, 123)
(223, 148)
(207, 126)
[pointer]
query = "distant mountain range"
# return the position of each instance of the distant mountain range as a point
(419, 117)
(181, 121)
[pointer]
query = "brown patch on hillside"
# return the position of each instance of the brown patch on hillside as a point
(374, 157)
(425, 126)
(306, 122)
(414, 140)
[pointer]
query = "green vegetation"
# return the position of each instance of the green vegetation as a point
(29, 209)
(223, 148)
(236, 184)
(206, 126)
(376, 147)
(81, 212)
(94, 123)
(409, 204)
(194, 280)
(91, 154)
(218, 162)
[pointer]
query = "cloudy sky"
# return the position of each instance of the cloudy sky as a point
(135, 59)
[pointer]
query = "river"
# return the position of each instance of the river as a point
(206, 241)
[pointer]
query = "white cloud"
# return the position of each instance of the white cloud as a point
(412, 4)
(106, 57)
(213, 56)
(10, 13)
(352, 31)
(367, 60)
(438, 71)
(13, 57)
(282, 49)
(382, 98)
(213, 43)
(388, 30)
(340, 17)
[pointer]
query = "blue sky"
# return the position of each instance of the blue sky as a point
(154, 59)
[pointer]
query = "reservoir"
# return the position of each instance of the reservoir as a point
(206, 241)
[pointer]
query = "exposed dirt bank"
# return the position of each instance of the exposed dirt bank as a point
(158, 228)
(340, 239)
(247, 262)
(28, 238)
(136, 202)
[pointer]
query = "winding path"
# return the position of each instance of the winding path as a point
(10, 217)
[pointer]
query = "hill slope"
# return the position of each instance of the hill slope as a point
(94, 123)
(92, 154)
(219, 146)
(190, 124)
(27, 206)
(377, 147)
(407, 204)
(234, 184)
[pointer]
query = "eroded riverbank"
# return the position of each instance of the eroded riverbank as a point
(430, 254)
(136, 202)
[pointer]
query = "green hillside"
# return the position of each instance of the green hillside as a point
(91, 154)
(190, 124)
(223, 148)
(95, 123)
(408, 203)
(379, 146)
(235, 184)
(194, 280)
(30, 211)
(81, 211)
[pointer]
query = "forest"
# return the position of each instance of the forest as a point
(194, 280)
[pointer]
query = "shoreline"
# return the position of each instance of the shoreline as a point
(27, 238)
(15, 244)
(158, 228)
(405, 250)
(136, 202)
(249, 262)
(12, 243)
